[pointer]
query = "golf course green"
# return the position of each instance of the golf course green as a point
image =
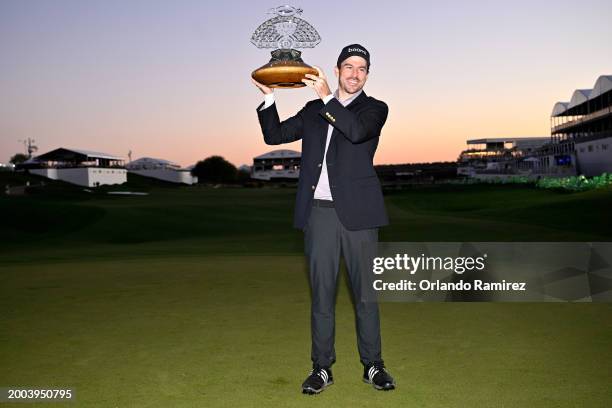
(197, 296)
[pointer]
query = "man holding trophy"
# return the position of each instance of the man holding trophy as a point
(339, 202)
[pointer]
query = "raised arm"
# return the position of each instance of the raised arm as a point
(276, 132)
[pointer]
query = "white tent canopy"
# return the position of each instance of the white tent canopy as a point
(63, 153)
(602, 85)
(578, 97)
(151, 162)
(280, 154)
(559, 108)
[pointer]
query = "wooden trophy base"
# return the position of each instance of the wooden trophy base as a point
(285, 70)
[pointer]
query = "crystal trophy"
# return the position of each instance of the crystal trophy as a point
(285, 32)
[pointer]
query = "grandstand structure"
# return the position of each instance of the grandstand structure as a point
(500, 156)
(277, 165)
(581, 130)
(77, 166)
(580, 142)
(161, 169)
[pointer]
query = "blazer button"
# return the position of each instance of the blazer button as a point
(313, 187)
(319, 165)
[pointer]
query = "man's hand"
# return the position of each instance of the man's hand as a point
(265, 89)
(319, 83)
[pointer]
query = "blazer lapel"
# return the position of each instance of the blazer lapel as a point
(357, 101)
(331, 150)
(323, 127)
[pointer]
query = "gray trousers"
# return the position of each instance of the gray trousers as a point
(325, 239)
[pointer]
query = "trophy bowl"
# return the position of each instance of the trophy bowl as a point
(285, 32)
(283, 73)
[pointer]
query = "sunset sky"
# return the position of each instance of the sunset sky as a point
(171, 79)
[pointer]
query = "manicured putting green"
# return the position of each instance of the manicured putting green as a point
(234, 331)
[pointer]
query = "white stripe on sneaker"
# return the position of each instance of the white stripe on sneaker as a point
(372, 372)
(323, 375)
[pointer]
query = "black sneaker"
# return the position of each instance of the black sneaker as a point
(377, 375)
(317, 381)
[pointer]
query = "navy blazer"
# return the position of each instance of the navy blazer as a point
(353, 182)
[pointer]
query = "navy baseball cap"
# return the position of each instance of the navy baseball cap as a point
(354, 50)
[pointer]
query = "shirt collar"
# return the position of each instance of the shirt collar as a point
(349, 100)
